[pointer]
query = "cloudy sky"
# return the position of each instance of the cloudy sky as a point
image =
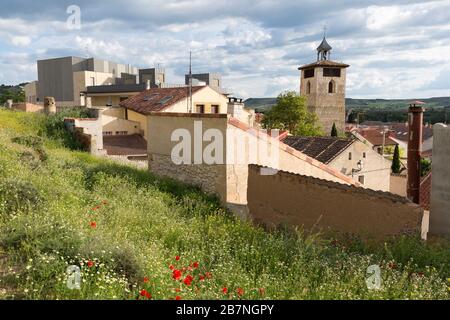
(396, 48)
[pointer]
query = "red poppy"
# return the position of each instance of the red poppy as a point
(240, 292)
(143, 293)
(201, 278)
(208, 275)
(146, 280)
(90, 264)
(188, 280)
(176, 275)
(177, 290)
(177, 298)
(93, 224)
(177, 258)
(148, 295)
(171, 267)
(225, 290)
(195, 265)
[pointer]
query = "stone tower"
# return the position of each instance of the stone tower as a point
(323, 84)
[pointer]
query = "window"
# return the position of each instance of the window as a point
(331, 72)
(214, 108)
(364, 155)
(121, 133)
(107, 133)
(350, 156)
(200, 108)
(361, 179)
(331, 87)
(309, 73)
(308, 88)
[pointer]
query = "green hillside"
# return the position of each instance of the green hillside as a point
(134, 235)
(436, 109)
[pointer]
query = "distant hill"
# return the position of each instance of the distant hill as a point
(265, 104)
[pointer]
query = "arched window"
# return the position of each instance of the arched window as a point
(308, 88)
(331, 88)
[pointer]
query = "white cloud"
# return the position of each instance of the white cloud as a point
(21, 41)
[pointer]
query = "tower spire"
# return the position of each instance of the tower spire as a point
(324, 49)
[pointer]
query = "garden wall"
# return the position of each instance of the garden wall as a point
(298, 200)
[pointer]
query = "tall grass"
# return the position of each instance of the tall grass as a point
(131, 232)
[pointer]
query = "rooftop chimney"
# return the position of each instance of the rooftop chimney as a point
(415, 120)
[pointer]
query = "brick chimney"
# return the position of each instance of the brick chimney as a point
(415, 120)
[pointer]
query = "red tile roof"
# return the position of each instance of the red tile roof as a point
(375, 137)
(157, 99)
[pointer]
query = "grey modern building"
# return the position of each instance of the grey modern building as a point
(64, 78)
(214, 80)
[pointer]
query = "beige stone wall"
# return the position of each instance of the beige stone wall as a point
(376, 169)
(398, 184)
(440, 189)
(297, 200)
(329, 107)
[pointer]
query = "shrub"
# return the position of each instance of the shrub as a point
(18, 196)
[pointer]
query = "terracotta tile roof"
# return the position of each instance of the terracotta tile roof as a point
(299, 155)
(125, 145)
(157, 99)
(323, 149)
(425, 192)
(324, 63)
(375, 137)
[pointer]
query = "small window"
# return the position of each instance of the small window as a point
(309, 73)
(215, 109)
(364, 155)
(332, 72)
(361, 179)
(349, 156)
(331, 87)
(107, 133)
(200, 108)
(121, 133)
(308, 88)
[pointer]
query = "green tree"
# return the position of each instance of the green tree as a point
(396, 160)
(425, 167)
(334, 132)
(290, 113)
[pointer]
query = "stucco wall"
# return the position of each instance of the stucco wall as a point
(206, 97)
(440, 189)
(113, 120)
(376, 169)
(297, 200)
(398, 184)
(228, 181)
(142, 120)
(82, 79)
